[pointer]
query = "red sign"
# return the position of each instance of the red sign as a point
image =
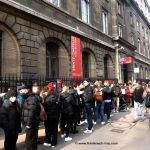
(126, 60)
(75, 57)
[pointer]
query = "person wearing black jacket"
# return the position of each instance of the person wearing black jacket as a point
(51, 106)
(138, 101)
(88, 101)
(107, 98)
(10, 120)
(67, 111)
(30, 118)
(76, 110)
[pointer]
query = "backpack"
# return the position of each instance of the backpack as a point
(88, 95)
(117, 91)
(147, 101)
(98, 96)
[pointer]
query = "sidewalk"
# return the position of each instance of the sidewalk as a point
(121, 134)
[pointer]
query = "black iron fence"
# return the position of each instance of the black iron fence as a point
(14, 82)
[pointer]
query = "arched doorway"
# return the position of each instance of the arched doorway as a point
(108, 67)
(54, 60)
(9, 53)
(88, 64)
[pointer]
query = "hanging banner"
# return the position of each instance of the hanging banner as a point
(126, 60)
(75, 57)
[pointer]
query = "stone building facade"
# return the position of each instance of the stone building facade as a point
(35, 38)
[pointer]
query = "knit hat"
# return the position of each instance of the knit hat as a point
(23, 87)
(10, 93)
(50, 85)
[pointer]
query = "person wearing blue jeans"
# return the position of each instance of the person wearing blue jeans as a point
(88, 101)
(99, 109)
(138, 101)
(89, 116)
(107, 98)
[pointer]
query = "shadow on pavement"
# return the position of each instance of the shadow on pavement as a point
(76, 137)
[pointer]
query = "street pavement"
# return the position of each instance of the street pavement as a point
(121, 134)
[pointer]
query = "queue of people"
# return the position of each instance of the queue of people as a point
(66, 109)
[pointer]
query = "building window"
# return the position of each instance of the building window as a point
(85, 64)
(85, 10)
(119, 8)
(0, 53)
(137, 24)
(139, 45)
(144, 50)
(52, 61)
(120, 30)
(132, 40)
(131, 18)
(104, 22)
(54, 2)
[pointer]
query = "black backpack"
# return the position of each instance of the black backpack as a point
(147, 101)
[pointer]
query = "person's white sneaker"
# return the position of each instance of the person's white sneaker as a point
(127, 108)
(63, 136)
(94, 122)
(68, 139)
(85, 121)
(47, 144)
(88, 131)
(53, 146)
(81, 122)
(91, 129)
(102, 123)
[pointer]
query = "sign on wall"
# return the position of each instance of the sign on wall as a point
(126, 60)
(75, 57)
(136, 70)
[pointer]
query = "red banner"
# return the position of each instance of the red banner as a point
(126, 60)
(75, 57)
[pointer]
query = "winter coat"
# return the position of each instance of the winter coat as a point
(31, 111)
(66, 103)
(10, 118)
(76, 105)
(51, 106)
(107, 93)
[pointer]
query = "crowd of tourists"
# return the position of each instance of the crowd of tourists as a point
(66, 108)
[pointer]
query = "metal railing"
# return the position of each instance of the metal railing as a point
(14, 82)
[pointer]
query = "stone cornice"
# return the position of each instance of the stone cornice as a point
(140, 12)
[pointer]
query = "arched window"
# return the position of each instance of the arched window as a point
(52, 62)
(85, 64)
(88, 64)
(108, 67)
